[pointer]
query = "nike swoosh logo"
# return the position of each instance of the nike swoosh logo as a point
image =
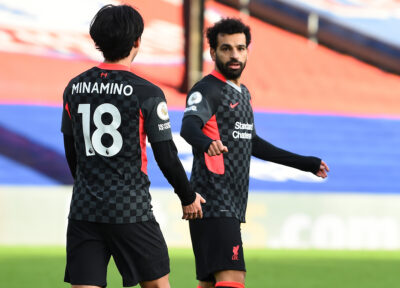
(234, 105)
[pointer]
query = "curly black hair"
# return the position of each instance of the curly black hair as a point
(114, 29)
(227, 26)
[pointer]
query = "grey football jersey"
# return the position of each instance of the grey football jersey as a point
(226, 112)
(110, 111)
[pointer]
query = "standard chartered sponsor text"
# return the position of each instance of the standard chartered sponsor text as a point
(242, 134)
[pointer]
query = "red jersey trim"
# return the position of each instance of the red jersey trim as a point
(214, 163)
(112, 66)
(229, 284)
(67, 108)
(142, 137)
(218, 75)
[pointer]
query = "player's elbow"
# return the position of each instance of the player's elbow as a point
(184, 132)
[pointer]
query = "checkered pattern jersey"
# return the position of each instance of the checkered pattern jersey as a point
(110, 113)
(221, 105)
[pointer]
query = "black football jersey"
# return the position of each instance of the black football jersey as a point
(226, 112)
(110, 112)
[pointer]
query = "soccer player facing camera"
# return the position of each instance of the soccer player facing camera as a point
(218, 122)
(108, 112)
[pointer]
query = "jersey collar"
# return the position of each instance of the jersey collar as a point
(221, 77)
(112, 66)
(218, 75)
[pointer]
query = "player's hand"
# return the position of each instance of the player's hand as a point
(194, 211)
(323, 170)
(216, 148)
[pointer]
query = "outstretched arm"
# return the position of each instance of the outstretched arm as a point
(166, 155)
(266, 151)
(323, 170)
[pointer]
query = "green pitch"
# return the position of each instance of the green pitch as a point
(43, 267)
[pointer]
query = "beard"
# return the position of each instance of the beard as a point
(230, 74)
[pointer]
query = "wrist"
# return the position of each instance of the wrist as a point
(188, 198)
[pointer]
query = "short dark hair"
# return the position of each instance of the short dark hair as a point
(227, 26)
(114, 29)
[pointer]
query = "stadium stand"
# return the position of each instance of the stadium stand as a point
(352, 27)
(290, 78)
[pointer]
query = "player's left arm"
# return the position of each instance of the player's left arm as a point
(266, 151)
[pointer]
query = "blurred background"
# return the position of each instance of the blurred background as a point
(324, 79)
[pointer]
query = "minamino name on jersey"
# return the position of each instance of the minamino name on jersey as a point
(100, 88)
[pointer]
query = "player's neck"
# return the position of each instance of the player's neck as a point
(235, 81)
(125, 62)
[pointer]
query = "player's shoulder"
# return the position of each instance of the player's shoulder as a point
(208, 87)
(82, 75)
(244, 87)
(145, 89)
(245, 90)
(78, 78)
(208, 84)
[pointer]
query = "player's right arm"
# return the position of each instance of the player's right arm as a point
(158, 130)
(192, 133)
(200, 106)
(66, 129)
(70, 153)
(166, 156)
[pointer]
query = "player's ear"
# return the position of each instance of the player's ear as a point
(212, 54)
(136, 44)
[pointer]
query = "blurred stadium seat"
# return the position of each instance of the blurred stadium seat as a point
(364, 29)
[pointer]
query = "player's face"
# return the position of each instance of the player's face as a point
(231, 55)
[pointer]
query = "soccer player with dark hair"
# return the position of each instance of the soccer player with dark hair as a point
(218, 122)
(108, 112)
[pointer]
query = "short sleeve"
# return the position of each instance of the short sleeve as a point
(66, 123)
(198, 105)
(156, 118)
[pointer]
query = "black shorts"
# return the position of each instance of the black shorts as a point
(217, 246)
(139, 251)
